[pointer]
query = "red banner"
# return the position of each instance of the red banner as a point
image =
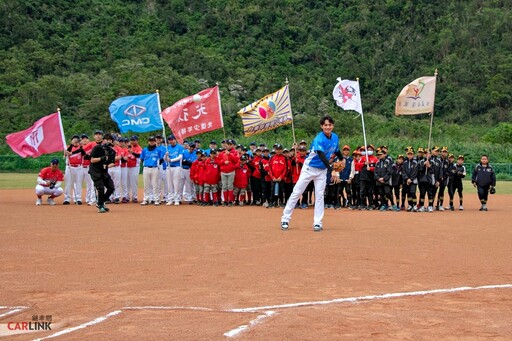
(195, 114)
(44, 137)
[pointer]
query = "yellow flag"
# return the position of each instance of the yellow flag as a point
(417, 97)
(268, 113)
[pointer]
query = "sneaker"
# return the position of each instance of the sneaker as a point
(50, 201)
(461, 208)
(65, 203)
(409, 208)
(191, 203)
(91, 203)
(265, 204)
(39, 201)
(216, 204)
(79, 203)
(440, 208)
(124, 201)
(437, 208)
(452, 208)
(415, 208)
(402, 208)
(337, 207)
(422, 209)
(157, 203)
(144, 203)
(304, 206)
(431, 209)
(135, 201)
(317, 228)
(241, 203)
(230, 204)
(116, 201)
(169, 203)
(284, 225)
(395, 208)
(176, 203)
(102, 209)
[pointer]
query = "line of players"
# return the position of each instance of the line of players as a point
(232, 174)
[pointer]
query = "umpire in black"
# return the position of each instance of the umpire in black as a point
(102, 156)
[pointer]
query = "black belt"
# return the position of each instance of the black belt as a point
(185, 167)
(150, 166)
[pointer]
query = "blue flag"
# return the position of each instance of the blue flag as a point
(137, 113)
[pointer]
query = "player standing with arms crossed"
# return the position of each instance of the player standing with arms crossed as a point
(315, 169)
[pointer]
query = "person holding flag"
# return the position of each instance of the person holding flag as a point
(315, 169)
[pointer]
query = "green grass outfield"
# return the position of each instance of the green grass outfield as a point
(27, 180)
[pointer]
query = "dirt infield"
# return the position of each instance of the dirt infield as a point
(190, 273)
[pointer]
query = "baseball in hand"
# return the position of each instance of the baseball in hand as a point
(197, 98)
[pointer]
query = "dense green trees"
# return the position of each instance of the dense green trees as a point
(80, 55)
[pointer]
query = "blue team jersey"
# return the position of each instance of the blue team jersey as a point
(174, 152)
(162, 147)
(189, 156)
(323, 144)
(151, 158)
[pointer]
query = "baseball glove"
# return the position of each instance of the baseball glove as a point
(338, 166)
(52, 185)
(493, 190)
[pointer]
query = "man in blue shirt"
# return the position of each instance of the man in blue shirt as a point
(189, 156)
(315, 169)
(151, 157)
(174, 157)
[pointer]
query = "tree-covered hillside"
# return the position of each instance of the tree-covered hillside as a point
(80, 55)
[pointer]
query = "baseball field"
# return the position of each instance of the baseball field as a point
(207, 273)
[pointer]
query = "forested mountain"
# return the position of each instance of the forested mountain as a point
(80, 55)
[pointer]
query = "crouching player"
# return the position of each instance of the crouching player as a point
(48, 183)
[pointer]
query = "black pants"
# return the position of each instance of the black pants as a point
(367, 187)
(483, 193)
(455, 185)
(384, 194)
(356, 195)
(410, 192)
(101, 182)
(331, 194)
(256, 189)
(440, 195)
(266, 190)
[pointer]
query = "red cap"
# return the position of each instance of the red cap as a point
(345, 147)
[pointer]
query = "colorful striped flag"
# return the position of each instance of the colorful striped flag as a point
(268, 113)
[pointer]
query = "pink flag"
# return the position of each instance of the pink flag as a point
(44, 137)
(195, 114)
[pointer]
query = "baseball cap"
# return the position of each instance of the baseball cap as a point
(278, 146)
(134, 138)
(435, 148)
(84, 136)
(345, 147)
(444, 149)
(370, 146)
(451, 155)
(199, 151)
(286, 150)
(243, 158)
(171, 137)
(409, 151)
(98, 132)
(356, 152)
(197, 141)
(107, 136)
(461, 157)
(213, 142)
(379, 151)
(152, 138)
(252, 144)
(55, 161)
(75, 137)
(231, 141)
(302, 142)
(192, 145)
(420, 150)
(400, 156)
(158, 136)
(258, 149)
(265, 149)
(302, 148)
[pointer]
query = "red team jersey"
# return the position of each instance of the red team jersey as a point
(211, 172)
(119, 152)
(197, 172)
(47, 174)
(297, 168)
(132, 160)
(242, 177)
(76, 159)
(255, 164)
(278, 167)
(87, 149)
(232, 158)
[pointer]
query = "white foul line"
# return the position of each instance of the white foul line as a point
(14, 311)
(85, 325)
(252, 323)
(371, 297)
(268, 310)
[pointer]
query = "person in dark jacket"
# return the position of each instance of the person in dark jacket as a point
(484, 179)
(443, 178)
(396, 184)
(456, 172)
(383, 171)
(410, 179)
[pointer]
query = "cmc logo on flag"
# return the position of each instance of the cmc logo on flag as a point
(134, 111)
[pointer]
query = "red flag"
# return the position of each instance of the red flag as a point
(195, 114)
(44, 137)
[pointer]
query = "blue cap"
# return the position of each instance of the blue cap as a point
(171, 137)
(55, 161)
(134, 138)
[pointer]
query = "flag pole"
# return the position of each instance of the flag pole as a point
(220, 111)
(362, 119)
(161, 119)
(432, 117)
(61, 130)
(291, 112)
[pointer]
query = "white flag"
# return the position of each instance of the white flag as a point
(417, 97)
(347, 96)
